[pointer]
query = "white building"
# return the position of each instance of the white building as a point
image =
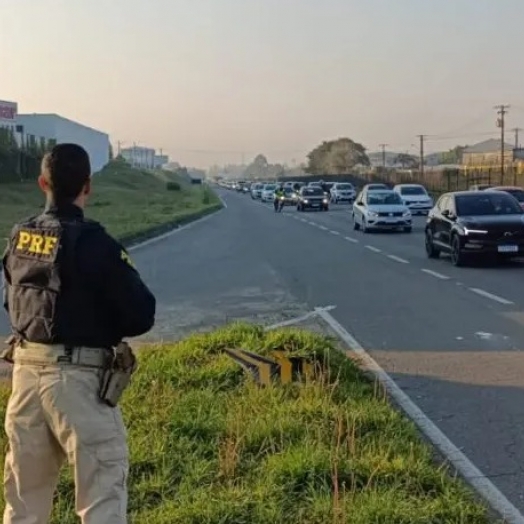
(161, 160)
(8, 112)
(54, 127)
(138, 156)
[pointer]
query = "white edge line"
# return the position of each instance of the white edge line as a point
(462, 464)
(398, 259)
(374, 249)
(324, 228)
(334, 232)
(291, 321)
(173, 231)
(297, 320)
(485, 294)
(435, 274)
(349, 239)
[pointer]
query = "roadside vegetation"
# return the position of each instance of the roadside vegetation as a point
(210, 447)
(131, 203)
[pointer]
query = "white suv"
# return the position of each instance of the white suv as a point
(415, 197)
(342, 192)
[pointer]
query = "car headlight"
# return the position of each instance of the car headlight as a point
(325, 201)
(281, 198)
(475, 231)
(306, 201)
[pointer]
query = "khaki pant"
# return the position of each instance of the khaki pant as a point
(54, 414)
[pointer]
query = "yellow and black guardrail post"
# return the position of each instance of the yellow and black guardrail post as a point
(263, 370)
(283, 368)
(293, 368)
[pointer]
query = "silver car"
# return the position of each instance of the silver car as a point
(381, 210)
(342, 192)
(268, 193)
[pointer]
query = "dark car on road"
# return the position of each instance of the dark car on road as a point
(514, 191)
(475, 223)
(312, 197)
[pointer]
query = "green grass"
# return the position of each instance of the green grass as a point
(132, 204)
(210, 447)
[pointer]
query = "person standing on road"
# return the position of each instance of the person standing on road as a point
(72, 294)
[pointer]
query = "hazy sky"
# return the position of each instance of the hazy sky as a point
(207, 80)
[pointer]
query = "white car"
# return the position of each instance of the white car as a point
(268, 193)
(342, 192)
(256, 191)
(375, 187)
(381, 210)
(415, 197)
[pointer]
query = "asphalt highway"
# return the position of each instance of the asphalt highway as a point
(452, 338)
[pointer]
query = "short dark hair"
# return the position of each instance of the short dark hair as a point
(66, 168)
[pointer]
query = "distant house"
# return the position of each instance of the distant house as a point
(487, 154)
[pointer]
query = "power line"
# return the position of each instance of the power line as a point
(502, 110)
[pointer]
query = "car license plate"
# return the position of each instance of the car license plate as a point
(508, 249)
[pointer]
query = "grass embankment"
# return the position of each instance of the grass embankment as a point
(209, 447)
(131, 203)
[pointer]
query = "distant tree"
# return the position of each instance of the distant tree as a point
(111, 154)
(407, 161)
(259, 168)
(336, 157)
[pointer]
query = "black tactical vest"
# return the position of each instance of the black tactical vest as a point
(46, 289)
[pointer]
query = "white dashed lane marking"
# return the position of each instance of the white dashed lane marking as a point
(398, 259)
(435, 274)
(495, 298)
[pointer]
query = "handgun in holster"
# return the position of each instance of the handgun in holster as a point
(7, 353)
(117, 375)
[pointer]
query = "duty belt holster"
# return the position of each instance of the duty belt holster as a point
(117, 375)
(7, 353)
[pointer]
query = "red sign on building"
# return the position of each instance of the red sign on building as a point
(8, 110)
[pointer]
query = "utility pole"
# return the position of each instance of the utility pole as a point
(383, 146)
(422, 137)
(502, 110)
(516, 131)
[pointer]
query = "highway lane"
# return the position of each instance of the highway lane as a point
(458, 354)
(500, 281)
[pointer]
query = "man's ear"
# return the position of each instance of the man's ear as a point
(43, 184)
(87, 188)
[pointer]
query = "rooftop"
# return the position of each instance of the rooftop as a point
(488, 146)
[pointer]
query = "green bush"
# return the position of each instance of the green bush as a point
(173, 186)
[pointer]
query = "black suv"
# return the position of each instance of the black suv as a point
(482, 223)
(312, 198)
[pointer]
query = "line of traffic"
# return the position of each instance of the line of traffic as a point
(478, 291)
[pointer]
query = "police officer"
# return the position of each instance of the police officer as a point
(72, 294)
